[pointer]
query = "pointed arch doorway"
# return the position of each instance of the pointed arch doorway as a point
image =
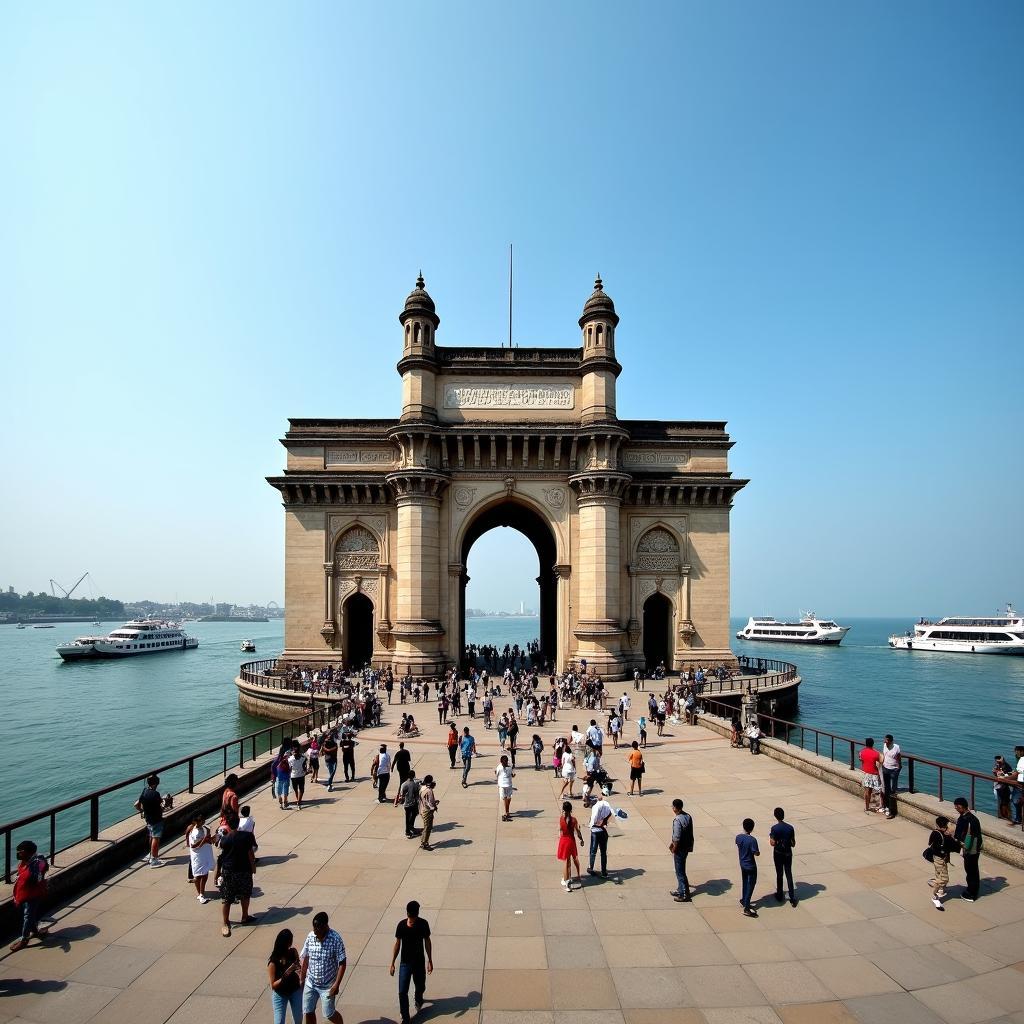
(657, 631)
(358, 630)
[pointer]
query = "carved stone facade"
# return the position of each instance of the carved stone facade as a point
(630, 519)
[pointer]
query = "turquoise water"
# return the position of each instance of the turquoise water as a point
(93, 723)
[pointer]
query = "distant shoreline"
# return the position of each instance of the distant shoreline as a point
(503, 615)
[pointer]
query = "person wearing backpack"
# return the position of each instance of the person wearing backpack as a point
(537, 746)
(29, 892)
(940, 845)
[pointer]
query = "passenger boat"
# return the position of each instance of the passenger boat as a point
(45, 625)
(998, 634)
(140, 636)
(248, 646)
(809, 630)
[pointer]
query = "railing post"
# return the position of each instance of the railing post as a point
(225, 759)
(94, 818)
(940, 783)
(910, 775)
(853, 751)
(972, 790)
(53, 838)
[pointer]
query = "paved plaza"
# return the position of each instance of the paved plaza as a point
(512, 947)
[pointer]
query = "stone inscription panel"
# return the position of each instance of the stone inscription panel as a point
(639, 458)
(359, 457)
(509, 396)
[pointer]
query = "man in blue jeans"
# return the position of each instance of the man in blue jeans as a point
(892, 762)
(467, 748)
(749, 850)
(681, 847)
(412, 938)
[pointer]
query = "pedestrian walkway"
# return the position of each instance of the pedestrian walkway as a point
(511, 946)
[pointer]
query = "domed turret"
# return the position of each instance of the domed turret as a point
(419, 303)
(599, 306)
(418, 365)
(599, 366)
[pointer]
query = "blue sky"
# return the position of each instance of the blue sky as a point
(810, 216)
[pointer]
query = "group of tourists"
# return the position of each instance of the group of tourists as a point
(497, 659)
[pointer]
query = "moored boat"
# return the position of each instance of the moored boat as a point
(996, 634)
(140, 636)
(809, 630)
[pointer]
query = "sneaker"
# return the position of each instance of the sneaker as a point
(882, 810)
(747, 912)
(155, 862)
(966, 898)
(565, 883)
(204, 899)
(683, 899)
(936, 903)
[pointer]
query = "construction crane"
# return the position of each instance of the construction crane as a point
(67, 593)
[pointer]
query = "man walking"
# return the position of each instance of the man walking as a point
(599, 818)
(503, 775)
(783, 839)
(151, 804)
(892, 762)
(409, 797)
(428, 805)
(348, 755)
(748, 850)
(467, 748)
(681, 846)
(968, 836)
(412, 939)
(383, 773)
(322, 965)
(402, 763)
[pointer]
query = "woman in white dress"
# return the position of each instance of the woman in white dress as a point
(200, 850)
(568, 771)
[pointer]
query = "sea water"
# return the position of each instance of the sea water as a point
(71, 728)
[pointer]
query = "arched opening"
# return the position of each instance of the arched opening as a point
(529, 523)
(657, 631)
(358, 631)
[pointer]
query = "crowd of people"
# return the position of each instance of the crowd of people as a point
(584, 763)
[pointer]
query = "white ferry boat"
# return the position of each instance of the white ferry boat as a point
(1000, 634)
(248, 646)
(140, 636)
(809, 630)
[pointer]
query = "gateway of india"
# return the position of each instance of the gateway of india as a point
(629, 518)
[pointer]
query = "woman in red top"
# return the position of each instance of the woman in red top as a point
(568, 832)
(869, 761)
(29, 892)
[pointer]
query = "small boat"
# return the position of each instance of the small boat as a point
(45, 625)
(248, 646)
(809, 630)
(140, 636)
(998, 634)
(97, 623)
(21, 625)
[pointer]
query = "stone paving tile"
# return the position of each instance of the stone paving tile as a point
(516, 990)
(638, 951)
(75, 1003)
(923, 967)
(890, 1007)
(577, 951)
(135, 1007)
(173, 972)
(222, 1009)
(741, 1015)
(583, 989)
(788, 982)
(958, 1003)
(652, 987)
(816, 1013)
(849, 976)
(116, 966)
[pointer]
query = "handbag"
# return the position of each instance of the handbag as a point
(928, 853)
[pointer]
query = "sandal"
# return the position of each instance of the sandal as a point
(226, 931)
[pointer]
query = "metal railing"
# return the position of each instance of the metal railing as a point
(233, 754)
(923, 775)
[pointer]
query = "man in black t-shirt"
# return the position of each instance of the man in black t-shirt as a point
(402, 763)
(237, 866)
(783, 840)
(412, 938)
(151, 804)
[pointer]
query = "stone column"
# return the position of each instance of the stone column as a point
(417, 629)
(329, 629)
(561, 654)
(599, 627)
(686, 629)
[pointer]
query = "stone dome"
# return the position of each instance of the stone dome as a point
(599, 305)
(419, 303)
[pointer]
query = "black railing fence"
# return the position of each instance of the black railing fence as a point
(57, 828)
(918, 774)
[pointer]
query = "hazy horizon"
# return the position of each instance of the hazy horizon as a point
(809, 217)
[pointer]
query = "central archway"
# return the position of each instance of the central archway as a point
(531, 525)
(657, 631)
(358, 631)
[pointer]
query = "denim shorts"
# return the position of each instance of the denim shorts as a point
(281, 786)
(311, 993)
(156, 830)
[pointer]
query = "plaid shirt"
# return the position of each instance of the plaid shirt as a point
(324, 957)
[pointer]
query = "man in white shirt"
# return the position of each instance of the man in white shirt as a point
(503, 775)
(595, 736)
(892, 762)
(297, 764)
(599, 818)
(624, 706)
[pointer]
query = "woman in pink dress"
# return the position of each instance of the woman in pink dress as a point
(568, 833)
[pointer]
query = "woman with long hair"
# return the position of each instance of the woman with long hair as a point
(283, 973)
(568, 833)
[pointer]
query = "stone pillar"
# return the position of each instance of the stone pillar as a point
(560, 656)
(686, 630)
(329, 629)
(599, 629)
(417, 629)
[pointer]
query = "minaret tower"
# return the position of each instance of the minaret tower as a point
(599, 365)
(418, 365)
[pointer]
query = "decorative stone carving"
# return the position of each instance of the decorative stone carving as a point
(555, 497)
(345, 587)
(510, 485)
(357, 549)
(633, 458)
(359, 457)
(646, 588)
(495, 395)
(633, 632)
(464, 496)
(658, 551)
(369, 588)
